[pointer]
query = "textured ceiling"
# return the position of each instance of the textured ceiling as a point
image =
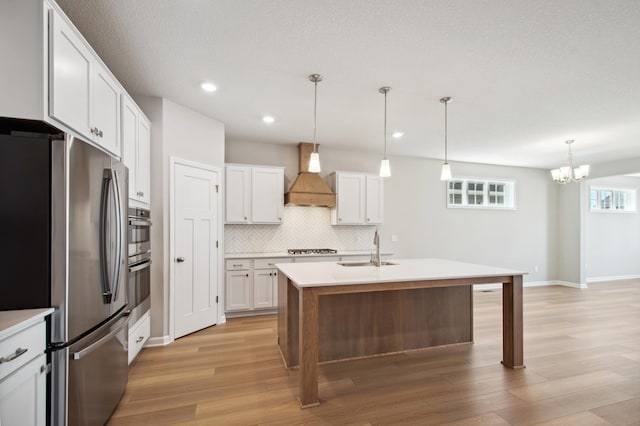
(524, 75)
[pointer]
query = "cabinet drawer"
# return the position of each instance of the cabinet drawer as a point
(138, 335)
(18, 349)
(237, 264)
(271, 262)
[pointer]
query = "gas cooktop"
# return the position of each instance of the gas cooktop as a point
(312, 251)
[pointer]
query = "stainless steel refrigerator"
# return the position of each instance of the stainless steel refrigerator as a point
(64, 209)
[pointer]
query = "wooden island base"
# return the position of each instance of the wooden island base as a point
(328, 313)
(382, 322)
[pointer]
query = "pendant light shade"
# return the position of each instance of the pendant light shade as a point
(385, 168)
(446, 168)
(314, 163)
(445, 174)
(314, 159)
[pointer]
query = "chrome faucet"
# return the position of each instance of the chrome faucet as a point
(376, 241)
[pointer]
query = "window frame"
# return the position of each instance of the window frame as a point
(615, 193)
(509, 193)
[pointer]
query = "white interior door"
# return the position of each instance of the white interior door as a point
(195, 213)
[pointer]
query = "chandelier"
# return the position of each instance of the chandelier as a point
(570, 173)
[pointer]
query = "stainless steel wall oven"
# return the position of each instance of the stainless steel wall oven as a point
(139, 262)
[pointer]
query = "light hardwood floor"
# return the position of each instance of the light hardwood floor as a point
(581, 349)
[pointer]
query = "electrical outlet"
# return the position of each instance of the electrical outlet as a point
(394, 238)
(535, 268)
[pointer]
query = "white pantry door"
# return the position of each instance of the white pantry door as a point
(195, 213)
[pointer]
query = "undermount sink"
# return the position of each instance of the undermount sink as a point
(383, 263)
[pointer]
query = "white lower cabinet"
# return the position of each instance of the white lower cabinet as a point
(239, 290)
(23, 375)
(252, 284)
(23, 395)
(139, 333)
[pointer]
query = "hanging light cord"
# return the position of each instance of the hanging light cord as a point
(445, 131)
(385, 125)
(569, 142)
(315, 106)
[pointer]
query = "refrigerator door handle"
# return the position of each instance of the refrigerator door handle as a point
(119, 229)
(104, 244)
(92, 347)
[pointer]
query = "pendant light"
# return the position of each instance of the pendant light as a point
(385, 169)
(314, 159)
(569, 173)
(446, 168)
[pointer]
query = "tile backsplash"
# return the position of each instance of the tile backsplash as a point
(302, 227)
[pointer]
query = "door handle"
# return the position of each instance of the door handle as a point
(180, 259)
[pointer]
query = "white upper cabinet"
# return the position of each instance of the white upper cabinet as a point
(136, 141)
(359, 199)
(143, 169)
(267, 195)
(105, 110)
(70, 76)
(238, 194)
(83, 94)
(254, 194)
(374, 199)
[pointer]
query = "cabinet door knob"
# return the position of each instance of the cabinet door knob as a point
(245, 218)
(99, 133)
(139, 339)
(180, 259)
(247, 275)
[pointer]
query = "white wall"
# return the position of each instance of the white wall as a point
(613, 238)
(179, 132)
(415, 208)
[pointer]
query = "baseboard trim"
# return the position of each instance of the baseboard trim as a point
(158, 341)
(498, 286)
(238, 314)
(613, 278)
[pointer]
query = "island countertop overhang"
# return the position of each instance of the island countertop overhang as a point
(320, 274)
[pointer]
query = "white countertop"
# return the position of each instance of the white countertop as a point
(12, 321)
(318, 274)
(258, 255)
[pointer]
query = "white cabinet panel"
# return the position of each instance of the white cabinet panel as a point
(70, 78)
(263, 288)
(239, 290)
(359, 199)
(267, 195)
(252, 284)
(23, 374)
(238, 194)
(105, 110)
(129, 141)
(23, 395)
(136, 150)
(143, 166)
(374, 199)
(83, 94)
(254, 194)
(139, 333)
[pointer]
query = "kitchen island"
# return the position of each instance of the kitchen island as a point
(328, 311)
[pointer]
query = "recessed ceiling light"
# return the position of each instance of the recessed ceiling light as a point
(268, 119)
(208, 87)
(397, 135)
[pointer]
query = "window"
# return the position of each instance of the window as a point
(481, 193)
(612, 200)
